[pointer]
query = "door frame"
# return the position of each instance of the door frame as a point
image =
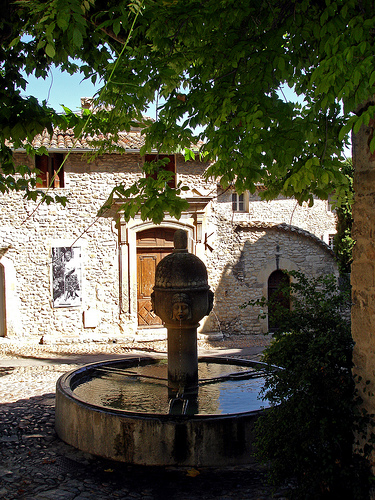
(128, 269)
(154, 250)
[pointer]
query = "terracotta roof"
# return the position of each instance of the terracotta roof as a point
(65, 140)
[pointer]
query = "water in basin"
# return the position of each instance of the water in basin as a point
(146, 391)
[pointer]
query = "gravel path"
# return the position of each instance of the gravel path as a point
(36, 465)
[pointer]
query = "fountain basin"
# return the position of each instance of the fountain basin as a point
(153, 437)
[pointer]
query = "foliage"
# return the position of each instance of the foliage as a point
(307, 435)
(223, 66)
(150, 196)
(344, 243)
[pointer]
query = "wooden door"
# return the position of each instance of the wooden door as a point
(152, 246)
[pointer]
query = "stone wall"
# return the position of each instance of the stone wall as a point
(240, 250)
(32, 233)
(318, 220)
(27, 236)
(250, 246)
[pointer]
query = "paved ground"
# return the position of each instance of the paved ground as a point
(36, 465)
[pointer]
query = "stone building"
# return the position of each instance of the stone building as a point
(66, 274)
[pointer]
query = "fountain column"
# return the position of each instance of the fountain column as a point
(181, 298)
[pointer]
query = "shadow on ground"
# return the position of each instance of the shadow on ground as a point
(37, 465)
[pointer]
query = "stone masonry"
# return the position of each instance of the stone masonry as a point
(240, 250)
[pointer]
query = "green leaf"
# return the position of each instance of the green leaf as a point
(63, 20)
(281, 63)
(358, 124)
(77, 37)
(50, 50)
(325, 178)
(116, 26)
(14, 42)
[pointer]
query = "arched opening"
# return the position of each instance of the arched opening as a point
(152, 245)
(2, 302)
(276, 283)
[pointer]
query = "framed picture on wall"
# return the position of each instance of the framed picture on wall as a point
(66, 276)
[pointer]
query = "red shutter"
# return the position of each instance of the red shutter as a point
(170, 166)
(58, 173)
(41, 163)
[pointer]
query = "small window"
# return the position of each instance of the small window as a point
(170, 166)
(51, 170)
(238, 202)
(329, 238)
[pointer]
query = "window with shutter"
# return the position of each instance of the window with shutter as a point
(51, 170)
(170, 166)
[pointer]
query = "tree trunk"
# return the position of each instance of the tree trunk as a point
(363, 267)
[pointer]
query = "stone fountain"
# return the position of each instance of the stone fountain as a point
(130, 410)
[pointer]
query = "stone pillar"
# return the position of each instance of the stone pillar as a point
(182, 361)
(363, 267)
(181, 298)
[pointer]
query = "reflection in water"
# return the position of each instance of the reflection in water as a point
(139, 393)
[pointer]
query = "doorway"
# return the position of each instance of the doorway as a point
(152, 246)
(276, 282)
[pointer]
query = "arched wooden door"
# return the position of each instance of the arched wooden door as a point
(277, 280)
(152, 246)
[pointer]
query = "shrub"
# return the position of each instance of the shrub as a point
(307, 435)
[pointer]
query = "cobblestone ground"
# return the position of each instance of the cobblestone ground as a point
(36, 465)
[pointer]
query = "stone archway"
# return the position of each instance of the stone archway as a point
(262, 280)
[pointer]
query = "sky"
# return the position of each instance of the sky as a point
(61, 88)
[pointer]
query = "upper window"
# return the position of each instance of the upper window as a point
(238, 202)
(170, 166)
(51, 170)
(329, 238)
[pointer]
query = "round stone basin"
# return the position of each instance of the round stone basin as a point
(120, 410)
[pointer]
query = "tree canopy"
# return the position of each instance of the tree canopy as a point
(218, 66)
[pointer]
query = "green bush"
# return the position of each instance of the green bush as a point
(343, 242)
(307, 435)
